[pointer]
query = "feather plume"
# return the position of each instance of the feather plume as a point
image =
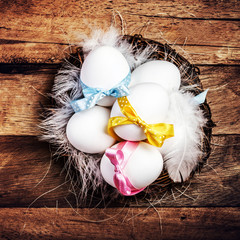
(182, 152)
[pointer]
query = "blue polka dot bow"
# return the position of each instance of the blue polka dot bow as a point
(93, 95)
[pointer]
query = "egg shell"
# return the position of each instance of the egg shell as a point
(150, 101)
(161, 72)
(104, 67)
(143, 167)
(87, 130)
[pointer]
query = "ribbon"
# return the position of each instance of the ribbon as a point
(119, 157)
(155, 133)
(93, 95)
(201, 97)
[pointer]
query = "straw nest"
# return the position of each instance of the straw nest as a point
(96, 189)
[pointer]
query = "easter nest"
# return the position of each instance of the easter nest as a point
(86, 178)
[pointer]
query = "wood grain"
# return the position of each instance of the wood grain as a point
(22, 98)
(25, 162)
(223, 9)
(41, 31)
(34, 37)
(224, 91)
(136, 223)
(20, 52)
(182, 9)
(24, 90)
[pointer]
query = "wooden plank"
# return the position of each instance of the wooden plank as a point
(204, 55)
(112, 223)
(182, 8)
(224, 91)
(188, 31)
(24, 52)
(165, 8)
(40, 32)
(27, 177)
(54, 53)
(178, 31)
(22, 98)
(24, 163)
(24, 89)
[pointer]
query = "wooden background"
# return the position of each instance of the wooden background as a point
(34, 197)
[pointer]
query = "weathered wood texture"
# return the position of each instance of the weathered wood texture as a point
(41, 31)
(24, 89)
(20, 52)
(135, 223)
(34, 37)
(223, 9)
(26, 163)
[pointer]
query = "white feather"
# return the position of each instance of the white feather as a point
(182, 152)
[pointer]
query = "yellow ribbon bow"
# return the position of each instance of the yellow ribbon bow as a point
(155, 133)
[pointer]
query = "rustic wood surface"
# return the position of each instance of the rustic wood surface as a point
(35, 198)
(216, 185)
(120, 223)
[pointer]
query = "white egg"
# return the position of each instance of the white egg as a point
(87, 130)
(143, 167)
(150, 101)
(164, 73)
(104, 67)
